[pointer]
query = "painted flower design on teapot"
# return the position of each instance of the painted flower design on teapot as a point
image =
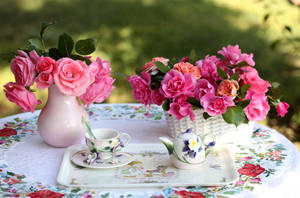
(188, 149)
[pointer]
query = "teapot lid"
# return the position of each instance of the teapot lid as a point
(187, 134)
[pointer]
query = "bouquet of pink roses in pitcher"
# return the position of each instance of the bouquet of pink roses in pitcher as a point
(67, 66)
(229, 86)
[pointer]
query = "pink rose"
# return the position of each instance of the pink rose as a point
(215, 105)
(251, 77)
(44, 67)
(34, 57)
(151, 68)
(258, 107)
(248, 58)
(101, 88)
(19, 95)
(98, 91)
(208, 67)
(23, 68)
(157, 97)
(72, 77)
(44, 80)
(281, 108)
(175, 84)
(203, 87)
(188, 68)
(180, 108)
(233, 55)
(228, 88)
(141, 87)
(102, 67)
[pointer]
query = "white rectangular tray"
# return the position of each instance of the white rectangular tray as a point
(151, 168)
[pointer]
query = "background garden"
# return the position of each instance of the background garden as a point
(131, 32)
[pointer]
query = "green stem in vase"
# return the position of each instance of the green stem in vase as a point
(88, 127)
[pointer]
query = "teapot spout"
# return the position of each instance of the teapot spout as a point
(168, 143)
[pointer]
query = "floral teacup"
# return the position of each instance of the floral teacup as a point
(107, 142)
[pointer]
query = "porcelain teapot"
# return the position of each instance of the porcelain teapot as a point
(188, 150)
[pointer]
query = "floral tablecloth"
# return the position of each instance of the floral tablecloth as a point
(268, 167)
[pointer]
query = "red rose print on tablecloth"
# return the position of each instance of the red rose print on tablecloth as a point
(251, 170)
(7, 132)
(12, 180)
(187, 194)
(45, 193)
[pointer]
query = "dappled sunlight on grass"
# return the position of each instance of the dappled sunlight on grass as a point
(30, 5)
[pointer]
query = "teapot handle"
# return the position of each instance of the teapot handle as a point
(209, 141)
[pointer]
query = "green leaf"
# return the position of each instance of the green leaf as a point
(194, 102)
(75, 190)
(10, 173)
(244, 89)
(235, 76)
(163, 68)
(193, 57)
(275, 85)
(55, 53)
(275, 43)
(166, 105)
(173, 61)
(266, 17)
(206, 115)
(234, 115)
(37, 43)
(85, 47)
(94, 150)
(106, 195)
(222, 73)
(244, 103)
(17, 119)
(132, 116)
(44, 26)
(65, 44)
(31, 47)
(243, 64)
(288, 28)
(77, 57)
(229, 192)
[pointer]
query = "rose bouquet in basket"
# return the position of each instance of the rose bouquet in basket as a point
(72, 79)
(228, 85)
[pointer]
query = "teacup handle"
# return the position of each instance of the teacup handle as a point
(128, 138)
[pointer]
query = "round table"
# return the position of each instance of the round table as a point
(28, 166)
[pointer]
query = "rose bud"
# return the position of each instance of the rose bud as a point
(151, 68)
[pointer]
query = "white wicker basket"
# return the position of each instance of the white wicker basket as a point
(224, 133)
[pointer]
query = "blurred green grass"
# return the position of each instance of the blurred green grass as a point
(131, 32)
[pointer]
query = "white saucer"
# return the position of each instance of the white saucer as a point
(120, 159)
